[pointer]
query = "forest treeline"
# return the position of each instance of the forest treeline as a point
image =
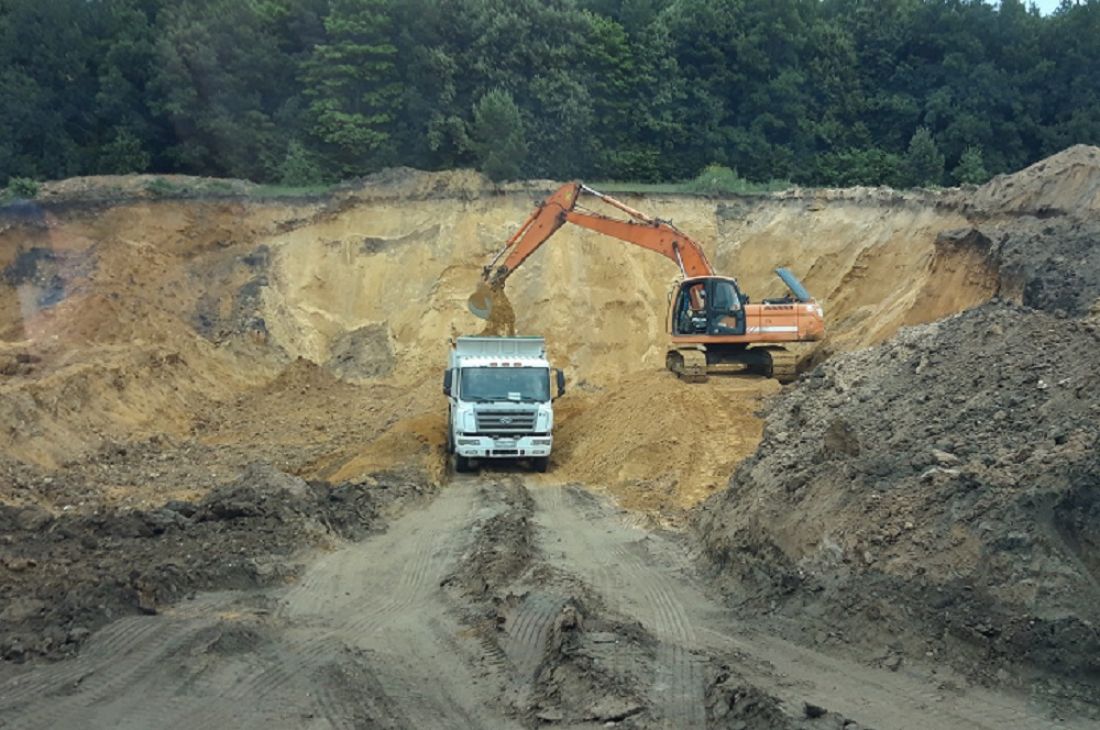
(837, 92)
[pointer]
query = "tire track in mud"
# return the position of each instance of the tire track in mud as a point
(651, 581)
(680, 681)
(102, 679)
(363, 639)
(888, 699)
(368, 638)
(275, 684)
(387, 607)
(603, 551)
(528, 629)
(351, 697)
(111, 642)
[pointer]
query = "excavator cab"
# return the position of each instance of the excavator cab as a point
(709, 305)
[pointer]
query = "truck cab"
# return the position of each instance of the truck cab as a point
(500, 393)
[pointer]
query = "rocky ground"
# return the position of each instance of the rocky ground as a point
(935, 495)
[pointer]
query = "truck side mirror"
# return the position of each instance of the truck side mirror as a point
(447, 381)
(561, 381)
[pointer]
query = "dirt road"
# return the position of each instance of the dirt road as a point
(499, 604)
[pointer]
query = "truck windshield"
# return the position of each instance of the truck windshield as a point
(529, 384)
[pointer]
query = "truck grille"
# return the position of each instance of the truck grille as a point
(506, 421)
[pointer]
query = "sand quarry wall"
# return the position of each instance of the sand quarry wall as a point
(124, 318)
(402, 270)
(872, 258)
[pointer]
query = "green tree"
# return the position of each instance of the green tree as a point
(924, 162)
(123, 154)
(352, 85)
(971, 169)
(47, 83)
(867, 166)
(300, 166)
(129, 134)
(222, 77)
(498, 137)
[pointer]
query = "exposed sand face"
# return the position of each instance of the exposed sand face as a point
(169, 309)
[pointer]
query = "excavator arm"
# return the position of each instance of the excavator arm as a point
(561, 208)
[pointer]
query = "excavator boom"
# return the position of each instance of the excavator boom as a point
(561, 208)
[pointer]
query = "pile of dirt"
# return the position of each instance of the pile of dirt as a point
(562, 673)
(1053, 264)
(362, 353)
(934, 495)
(64, 575)
(105, 187)
(667, 455)
(1067, 183)
(734, 704)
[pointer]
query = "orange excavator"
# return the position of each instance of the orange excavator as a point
(711, 324)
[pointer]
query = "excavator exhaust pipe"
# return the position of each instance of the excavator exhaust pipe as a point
(480, 302)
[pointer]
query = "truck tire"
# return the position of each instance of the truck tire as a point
(541, 463)
(462, 464)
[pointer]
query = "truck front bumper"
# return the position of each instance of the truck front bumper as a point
(493, 447)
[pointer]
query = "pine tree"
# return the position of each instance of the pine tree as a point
(924, 162)
(352, 83)
(498, 137)
(971, 168)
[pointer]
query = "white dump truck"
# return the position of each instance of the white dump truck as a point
(499, 394)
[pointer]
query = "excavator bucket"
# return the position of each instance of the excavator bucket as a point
(480, 302)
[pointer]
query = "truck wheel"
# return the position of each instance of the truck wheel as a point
(542, 463)
(462, 464)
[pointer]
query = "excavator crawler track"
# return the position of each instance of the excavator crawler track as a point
(689, 365)
(783, 365)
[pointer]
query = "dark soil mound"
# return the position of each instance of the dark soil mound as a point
(63, 576)
(936, 495)
(1054, 263)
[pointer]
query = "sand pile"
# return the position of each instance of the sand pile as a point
(668, 454)
(1067, 183)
